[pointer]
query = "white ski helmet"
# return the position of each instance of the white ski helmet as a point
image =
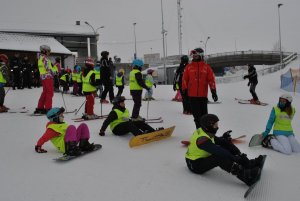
(287, 97)
(45, 48)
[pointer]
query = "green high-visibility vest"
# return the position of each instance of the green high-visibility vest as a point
(120, 114)
(97, 75)
(64, 77)
(283, 122)
(2, 79)
(42, 67)
(79, 77)
(133, 84)
(193, 152)
(119, 80)
(86, 85)
(74, 77)
(59, 141)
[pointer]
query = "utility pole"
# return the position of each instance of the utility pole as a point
(179, 8)
(163, 31)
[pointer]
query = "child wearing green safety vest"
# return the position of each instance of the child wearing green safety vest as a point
(4, 78)
(120, 82)
(64, 80)
(63, 136)
(149, 83)
(283, 139)
(120, 123)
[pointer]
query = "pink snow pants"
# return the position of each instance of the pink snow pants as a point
(73, 134)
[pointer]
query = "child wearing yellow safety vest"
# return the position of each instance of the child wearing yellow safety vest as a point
(150, 83)
(89, 88)
(283, 139)
(4, 78)
(63, 136)
(119, 81)
(120, 123)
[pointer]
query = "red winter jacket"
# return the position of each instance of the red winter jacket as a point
(196, 78)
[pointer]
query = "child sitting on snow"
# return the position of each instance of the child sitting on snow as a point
(63, 136)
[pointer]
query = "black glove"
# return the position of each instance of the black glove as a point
(39, 149)
(214, 95)
(154, 85)
(226, 136)
(248, 84)
(174, 87)
(102, 133)
(245, 77)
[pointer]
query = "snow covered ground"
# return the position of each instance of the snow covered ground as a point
(153, 172)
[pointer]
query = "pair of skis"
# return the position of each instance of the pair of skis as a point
(235, 140)
(149, 121)
(39, 114)
(242, 101)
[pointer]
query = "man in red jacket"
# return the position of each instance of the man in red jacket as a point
(197, 76)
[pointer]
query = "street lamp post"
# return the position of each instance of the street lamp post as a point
(280, 51)
(97, 38)
(206, 44)
(163, 31)
(135, 53)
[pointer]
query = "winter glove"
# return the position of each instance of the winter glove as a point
(245, 77)
(154, 85)
(102, 133)
(226, 136)
(39, 149)
(214, 95)
(248, 84)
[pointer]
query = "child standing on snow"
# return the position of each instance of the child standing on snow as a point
(283, 138)
(252, 76)
(3, 80)
(63, 136)
(149, 83)
(207, 151)
(120, 82)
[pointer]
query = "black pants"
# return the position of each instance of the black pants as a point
(120, 90)
(252, 90)
(137, 99)
(80, 89)
(65, 85)
(199, 108)
(203, 165)
(185, 102)
(134, 127)
(56, 82)
(2, 96)
(27, 79)
(108, 88)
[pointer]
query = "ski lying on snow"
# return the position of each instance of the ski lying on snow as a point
(154, 121)
(150, 119)
(80, 119)
(39, 114)
(235, 140)
(69, 112)
(18, 110)
(67, 158)
(242, 101)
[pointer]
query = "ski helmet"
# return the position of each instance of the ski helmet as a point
(104, 53)
(118, 99)
(184, 59)
(150, 71)
(78, 68)
(207, 121)
(197, 52)
(4, 58)
(287, 97)
(53, 114)
(138, 63)
(45, 49)
(89, 62)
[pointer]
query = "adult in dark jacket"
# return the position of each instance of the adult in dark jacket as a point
(136, 85)
(16, 69)
(27, 69)
(178, 80)
(197, 76)
(252, 76)
(106, 78)
(120, 123)
(207, 151)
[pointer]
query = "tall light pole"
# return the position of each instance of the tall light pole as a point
(280, 52)
(206, 44)
(163, 31)
(135, 54)
(179, 15)
(97, 38)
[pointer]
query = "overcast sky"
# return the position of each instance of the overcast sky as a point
(230, 24)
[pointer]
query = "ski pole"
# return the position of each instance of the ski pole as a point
(62, 95)
(7, 90)
(148, 107)
(101, 107)
(80, 107)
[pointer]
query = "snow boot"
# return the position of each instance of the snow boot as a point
(2, 109)
(248, 176)
(89, 116)
(40, 111)
(267, 141)
(72, 149)
(85, 145)
(251, 163)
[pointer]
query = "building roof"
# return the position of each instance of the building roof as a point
(31, 43)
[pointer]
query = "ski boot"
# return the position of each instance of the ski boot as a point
(72, 149)
(251, 163)
(267, 141)
(85, 145)
(248, 176)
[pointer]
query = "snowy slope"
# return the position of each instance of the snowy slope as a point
(154, 172)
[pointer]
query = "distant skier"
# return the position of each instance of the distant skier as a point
(16, 71)
(136, 85)
(46, 75)
(178, 81)
(197, 76)
(57, 70)
(252, 76)
(120, 123)
(98, 78)
(63, 136)
(89, 88)
(4, 78)
(149, 81)
(207, 151)
(106, 77)
(120, 82)
(283, 138)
